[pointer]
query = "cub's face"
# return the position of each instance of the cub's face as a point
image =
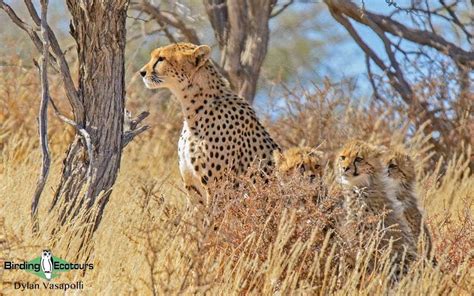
(173, 66)
(400, 167)
(357, 162)
(303, 161)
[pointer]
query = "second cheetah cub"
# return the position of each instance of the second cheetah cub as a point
(401, 174)
(305, 161)
(361, 172)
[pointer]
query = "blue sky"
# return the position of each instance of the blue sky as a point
(346, 59)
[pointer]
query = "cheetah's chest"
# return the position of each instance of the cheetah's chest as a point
(187, 152)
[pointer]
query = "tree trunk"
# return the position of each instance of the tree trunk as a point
(241, 28)
(99, 30)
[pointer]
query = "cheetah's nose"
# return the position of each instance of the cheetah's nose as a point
(143, 73)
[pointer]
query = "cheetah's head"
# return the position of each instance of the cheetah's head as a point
(357, 163)
(304, 161)
(174, 65)
(400, 167)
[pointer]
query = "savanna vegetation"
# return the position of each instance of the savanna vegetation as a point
(392, 73)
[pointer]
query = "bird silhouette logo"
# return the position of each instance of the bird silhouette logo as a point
(47, 264)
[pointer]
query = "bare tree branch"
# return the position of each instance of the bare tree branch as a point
(166, 18)
(71, 91)
(456, 20)
(84, 134)
(42, 118)
(393, 27)
(283, 8)
(371, 78)
(217, 13)
(32, 11)
(134, 130)
(58, 58)
(24, 26)
(404, 91)
(420, 107)
(404, 87)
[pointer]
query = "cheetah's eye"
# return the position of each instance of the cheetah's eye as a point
(160, 59)
(317, 166)
(343, 157)
(301, 169)
(392, 166)
(358, 159)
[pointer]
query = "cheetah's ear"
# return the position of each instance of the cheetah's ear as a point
(201, 55)
(383, 149)
(315, 152)
(277, 157)
(392, 163)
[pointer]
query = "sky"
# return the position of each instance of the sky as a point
(346, 59)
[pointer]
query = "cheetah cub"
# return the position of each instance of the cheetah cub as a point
(305, 161)
(361, 172)
(401, 175)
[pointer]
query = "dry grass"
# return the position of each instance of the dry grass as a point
(271, 239)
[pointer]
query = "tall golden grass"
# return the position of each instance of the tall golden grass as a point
(260, 240)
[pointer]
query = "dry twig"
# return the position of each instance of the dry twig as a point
(42, 118)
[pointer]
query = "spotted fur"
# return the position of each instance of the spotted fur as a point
(305, 161)
(367, 193)
(221, 132)
(401, 174)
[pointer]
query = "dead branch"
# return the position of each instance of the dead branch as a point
(456, 20)
(134, 131)
(283, 8)
(84, 134)
(167, 18)
(377, 96)
(419, 111)
(25, 27)
(403, 86)
(42, 118)
(66, 77)
(370, 53)
(58, 57)
(386, 24)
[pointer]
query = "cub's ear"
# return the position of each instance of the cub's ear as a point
(277, 157)
(383, 149)
(392, 164)
(324, 158)
(201, 55)
(314, 152)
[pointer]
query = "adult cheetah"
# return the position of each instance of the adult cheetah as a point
(221, 132)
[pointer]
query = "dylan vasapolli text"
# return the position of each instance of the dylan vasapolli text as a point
(47, 285)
